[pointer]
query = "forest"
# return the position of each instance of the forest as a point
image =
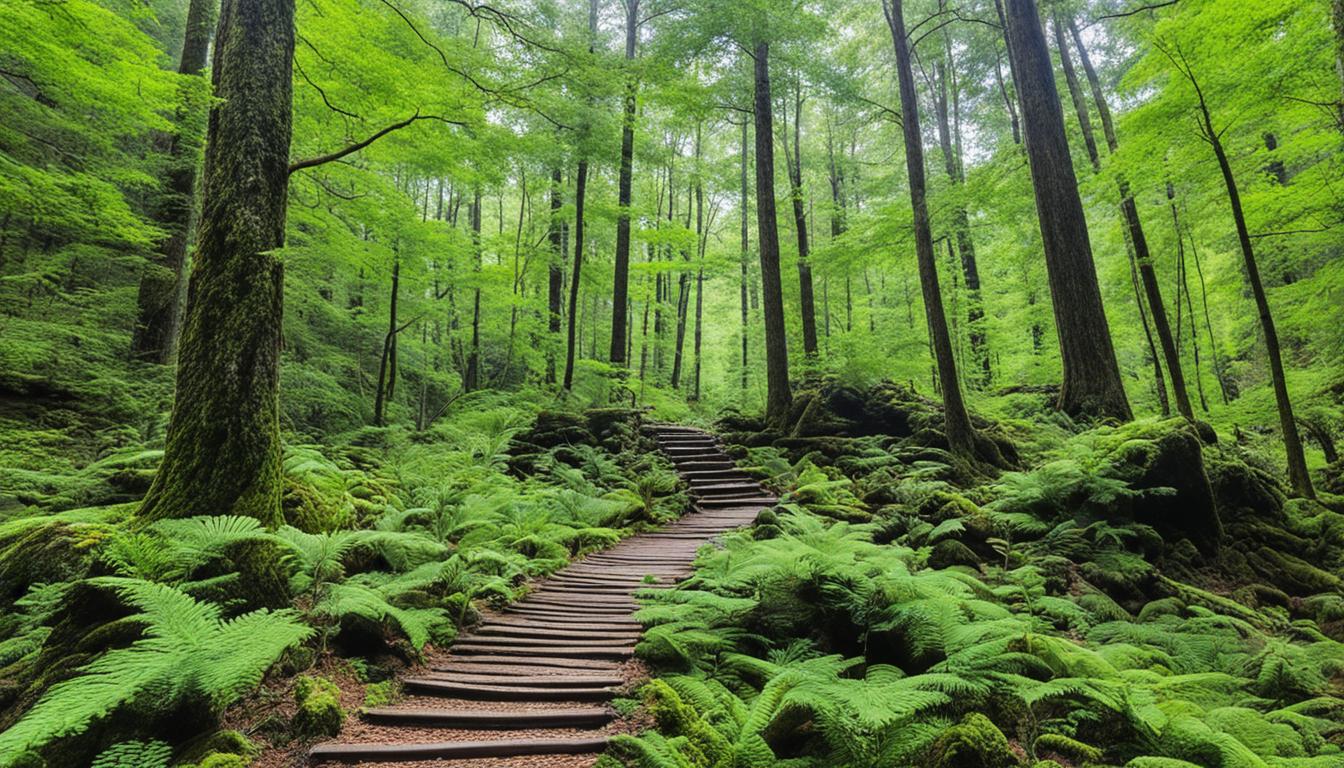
(672, 383)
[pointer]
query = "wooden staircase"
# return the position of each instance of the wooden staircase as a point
(531, 685)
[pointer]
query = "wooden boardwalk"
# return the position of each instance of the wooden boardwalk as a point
(532, 683)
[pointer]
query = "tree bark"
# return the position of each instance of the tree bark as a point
(471, 379)
(794, 162)
(745, 253)
(1092, 387)
(1133, 225)
(778, 399)
(1298, 475)
(159, 298)
(222, 453)
(555, 272)
(701, 243)
(975, 312)
(389, 350)
(956, 421)
(620, 290)
(580, 194)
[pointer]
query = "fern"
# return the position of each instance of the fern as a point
(134, 754)
(187, 652)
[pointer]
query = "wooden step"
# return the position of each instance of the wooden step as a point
(477, 692)
(562, 652)
(455, 750)
(509, 719)
(530, 681)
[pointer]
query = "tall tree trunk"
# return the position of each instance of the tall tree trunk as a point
(161, 284)
(555, 272)
(620, 290)
(701, 243)
(388, 360)
(1012, 74)
(794, 162)
(1159, 379)
(956, 421)
(1203, 293)
(580, 192)
(683, 304)
(745, 249)
(222, 452)
(778, 398)
(970, 269)
(1298, 476)
(1134, 226)
(471, 380)
(1092, 386)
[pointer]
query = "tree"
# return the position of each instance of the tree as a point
(555, 272)
(222, 453)
(580, 197)
(1091, 387)
(1298, 475)
(620, 291)
(794, 162)
(161, 284)
(947, 114)
(956, 421)
(778, 397)
(1135, 236)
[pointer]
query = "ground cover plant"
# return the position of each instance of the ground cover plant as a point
(326, 327)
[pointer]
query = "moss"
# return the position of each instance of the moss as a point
(27, 760)
(1293, 573)
(676, 718)
(319, 713)
(225, 760)
(950, 552)
(1166, 606)
(380, 694)
(218, 743)
(1065, 746)
(975, 742)
(1153, 455)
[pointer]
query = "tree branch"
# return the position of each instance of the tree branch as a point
(311, 162)
(1138, 10)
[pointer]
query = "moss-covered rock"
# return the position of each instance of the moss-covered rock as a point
(1167, 455)
(319, 713)
(950, 552)
(1064, 746)
(975, 742)
(216, 744)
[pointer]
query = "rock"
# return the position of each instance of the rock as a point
(975, 742)
(950, 552)
(319, 713)
(1167, 455)
(1064, 746)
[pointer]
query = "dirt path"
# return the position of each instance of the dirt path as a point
(532, 685)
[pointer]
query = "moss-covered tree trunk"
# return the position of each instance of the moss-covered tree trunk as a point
(157, 305)
(956, 421)
(1092, 387)
(223, 445)
(778, 398)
